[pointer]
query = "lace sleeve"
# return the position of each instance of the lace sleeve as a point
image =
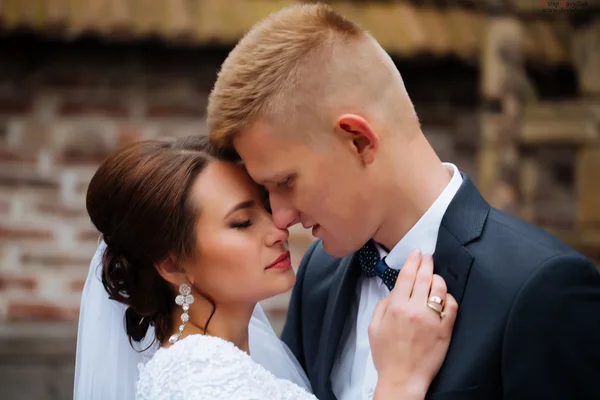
(203, 367)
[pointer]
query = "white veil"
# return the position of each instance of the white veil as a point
(106, 366)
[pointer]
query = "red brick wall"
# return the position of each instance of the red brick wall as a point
(63, 107)
(62, 110)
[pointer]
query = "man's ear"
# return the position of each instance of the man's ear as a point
(171, 272)
(364, 140)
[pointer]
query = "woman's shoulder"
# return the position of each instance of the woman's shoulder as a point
(201, 367)
(207, 351)
(201, 348)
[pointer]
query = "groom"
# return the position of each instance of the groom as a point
(320, 116)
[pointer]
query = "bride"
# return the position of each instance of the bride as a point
(190, 249)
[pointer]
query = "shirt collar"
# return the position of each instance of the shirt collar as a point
(423, 235)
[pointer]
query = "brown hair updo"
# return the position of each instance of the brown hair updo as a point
(138, 200)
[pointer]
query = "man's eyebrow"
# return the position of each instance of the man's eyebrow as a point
(273, 179)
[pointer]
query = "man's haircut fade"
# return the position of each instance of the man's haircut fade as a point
(269, 64)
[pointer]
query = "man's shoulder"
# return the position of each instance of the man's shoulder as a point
(503, 229)
(512, 250)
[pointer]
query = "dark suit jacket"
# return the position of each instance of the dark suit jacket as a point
(528, 325)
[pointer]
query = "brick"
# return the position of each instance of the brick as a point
(25, 173)
(111, 106)
(14, 103)
(77, 285)
(15, 156)
(63, 80)
(61, 210)
(72, 158)
(3, 130)
(180, 129)
(77, 72)
(86, 138)
(191, 108)
(40, 311)
(74, 181)
(127, 136)
(4, 206)
(12, 282)
(21, 233)
(31, 136)
(56, 260)
(46, 195)
(16, 182)
(88, 235)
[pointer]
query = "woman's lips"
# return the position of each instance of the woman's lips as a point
(282, 262)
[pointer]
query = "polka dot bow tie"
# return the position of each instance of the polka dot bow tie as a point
(372, 265)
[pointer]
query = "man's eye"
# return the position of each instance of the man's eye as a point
(265, 201)
(286, 183)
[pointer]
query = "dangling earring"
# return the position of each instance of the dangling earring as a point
(184, 300)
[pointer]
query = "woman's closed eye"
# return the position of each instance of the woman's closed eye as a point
(242, 224)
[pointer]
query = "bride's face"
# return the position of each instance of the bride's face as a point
(236, 240)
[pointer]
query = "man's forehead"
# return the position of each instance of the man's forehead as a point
(267, 173)
(255, 152)
(269, 156)
(264, 137)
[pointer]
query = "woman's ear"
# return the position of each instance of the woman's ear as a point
(170, 271)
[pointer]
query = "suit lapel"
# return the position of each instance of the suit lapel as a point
(463, 223)
(452, 262)
(341, 296)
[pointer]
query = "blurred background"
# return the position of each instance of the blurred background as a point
(509, 90)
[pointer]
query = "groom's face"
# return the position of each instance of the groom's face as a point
(314, 184)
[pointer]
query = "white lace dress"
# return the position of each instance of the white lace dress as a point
(202, 367)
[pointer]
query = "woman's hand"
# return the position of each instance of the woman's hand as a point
(409, 340)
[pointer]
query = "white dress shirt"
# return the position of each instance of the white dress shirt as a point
(354, 375)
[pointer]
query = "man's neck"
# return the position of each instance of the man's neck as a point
(409, 197)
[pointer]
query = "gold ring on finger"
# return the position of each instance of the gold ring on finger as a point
(436, 299)
(435, 307)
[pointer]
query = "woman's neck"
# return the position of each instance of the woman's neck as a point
(229, 322)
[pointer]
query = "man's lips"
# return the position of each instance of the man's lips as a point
(315, 229)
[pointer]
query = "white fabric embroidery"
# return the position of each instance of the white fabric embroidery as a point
(206, 367)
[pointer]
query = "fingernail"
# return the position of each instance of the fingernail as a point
(415, 253)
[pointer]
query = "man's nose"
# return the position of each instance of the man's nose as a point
(284, 214)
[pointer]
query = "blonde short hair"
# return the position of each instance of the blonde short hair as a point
(263, 73)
